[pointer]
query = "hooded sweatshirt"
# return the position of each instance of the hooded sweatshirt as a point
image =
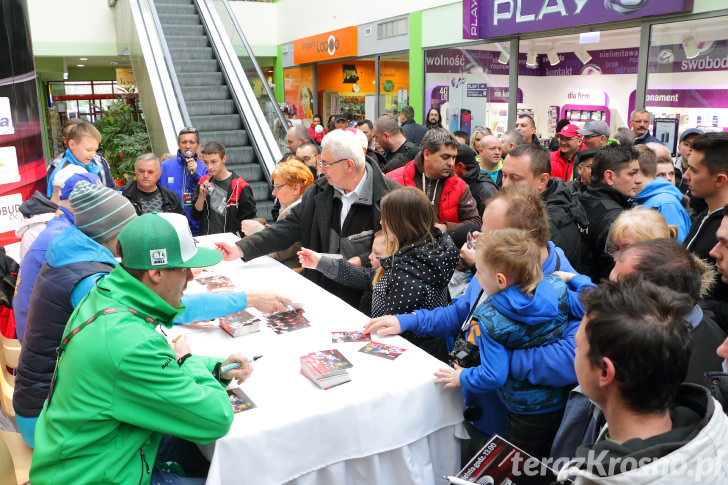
(666, 198)
(696, 443)
(549, 365)
(511, 320)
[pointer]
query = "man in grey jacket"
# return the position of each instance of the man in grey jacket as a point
(338, 214)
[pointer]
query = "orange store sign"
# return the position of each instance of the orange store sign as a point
(322, 47)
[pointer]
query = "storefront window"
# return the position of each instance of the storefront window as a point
(579, 77)
(686, 84)
(393, 84)
(299, 93)
(344, 87)
(469, 87)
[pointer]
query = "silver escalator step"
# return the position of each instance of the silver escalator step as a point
(261, 190)
(251, 172)
(217, 122)
(190, 30)
(191, 53)
(200, 93)
(179, 19)
(218, 107)
(230, 138)
(241, 154)
(264, 208)
(196, 65)
(198, 79)
(186, 41)
(175, 8)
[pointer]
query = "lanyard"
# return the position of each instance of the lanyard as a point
(64, 342)
(466, 323)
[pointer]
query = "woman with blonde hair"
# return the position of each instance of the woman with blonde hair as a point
(418, 263)
(638, 224)
(477, 135)
(290, 179)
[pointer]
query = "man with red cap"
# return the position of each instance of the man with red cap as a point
(562, 160)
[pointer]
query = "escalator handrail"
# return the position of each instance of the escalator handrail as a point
(261, 134)
(248, 49)
(170, 66)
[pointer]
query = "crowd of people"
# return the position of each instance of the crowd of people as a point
(577, 290)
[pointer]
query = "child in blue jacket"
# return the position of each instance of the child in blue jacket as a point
(523, 309)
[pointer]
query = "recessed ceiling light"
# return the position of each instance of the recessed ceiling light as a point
(83, 58)
(80, 65)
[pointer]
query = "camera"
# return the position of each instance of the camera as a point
(466, 354)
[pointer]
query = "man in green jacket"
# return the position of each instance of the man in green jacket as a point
(119, 385)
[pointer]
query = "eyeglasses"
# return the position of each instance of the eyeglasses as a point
(277, 187)
(589, 137)
(325, 165)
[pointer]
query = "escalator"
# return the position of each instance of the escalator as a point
(194, 68)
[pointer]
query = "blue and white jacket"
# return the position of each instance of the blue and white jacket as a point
(512, 320)
(549, 365)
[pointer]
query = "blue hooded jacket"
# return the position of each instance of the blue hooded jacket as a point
(31, 264)
(549, 365)
(91, 167)
(511, 320)
(665, 197)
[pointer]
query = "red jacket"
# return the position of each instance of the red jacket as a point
(453, 189)
(317, 137)
(562, 168)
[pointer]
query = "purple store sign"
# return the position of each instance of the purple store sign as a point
(683, 98)
(483, 19)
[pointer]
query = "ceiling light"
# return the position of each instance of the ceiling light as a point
(532, 58)
(690, 45)
(554, 58)
(589, 37)
(582, 54)
(83, 59)
(504, 55)
(80, 65)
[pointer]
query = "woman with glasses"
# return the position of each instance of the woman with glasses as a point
(290, 179)
(418, 263)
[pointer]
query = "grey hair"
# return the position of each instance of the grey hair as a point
(639, 112)
(513, 136)
(343, 144)
(145, 157)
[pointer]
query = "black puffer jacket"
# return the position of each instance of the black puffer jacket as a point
(415, 277)
(567, 220)
(481, 186)
(603, 204)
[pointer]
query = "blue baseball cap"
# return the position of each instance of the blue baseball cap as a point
(690, 131)
(71, 182)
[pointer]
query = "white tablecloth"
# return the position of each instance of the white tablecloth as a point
(390, 425)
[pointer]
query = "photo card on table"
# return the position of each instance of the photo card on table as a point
(389, 352)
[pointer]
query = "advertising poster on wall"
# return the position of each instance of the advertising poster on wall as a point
(22, 165)
(299, 92)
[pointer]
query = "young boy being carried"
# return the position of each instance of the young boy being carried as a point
(223, 198)
(83, 142)
(523, 309)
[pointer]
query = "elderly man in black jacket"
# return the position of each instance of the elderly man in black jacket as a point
(530, 165)
(339, 214)
(145, 194)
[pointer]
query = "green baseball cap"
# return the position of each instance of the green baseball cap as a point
(158, 241)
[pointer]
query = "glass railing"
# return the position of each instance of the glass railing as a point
(259, 84)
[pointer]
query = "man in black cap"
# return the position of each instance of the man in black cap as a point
(481, 184)
(341, 121)
(584, 160)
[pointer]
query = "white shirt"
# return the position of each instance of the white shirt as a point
(347, 200)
